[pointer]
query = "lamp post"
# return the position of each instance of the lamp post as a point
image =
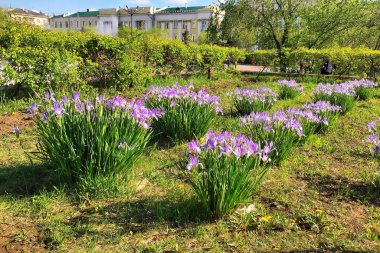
(131, 12)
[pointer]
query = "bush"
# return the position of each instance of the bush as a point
(92, 142)
(187, 114)
(226, 170)
(258, 100)
(360, 61)
(289, 89)
(284, 131)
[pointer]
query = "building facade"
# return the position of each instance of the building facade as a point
(86, 20)
(33, 17)
(108, 21)
(178, 20)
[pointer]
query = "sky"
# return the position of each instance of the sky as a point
(63, 6)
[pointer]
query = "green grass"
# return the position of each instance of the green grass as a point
(321, 197)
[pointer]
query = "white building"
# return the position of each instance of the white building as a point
(108, 21)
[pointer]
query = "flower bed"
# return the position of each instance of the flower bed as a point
(285, 132)
(226, 170)
(92, 141)
(289, 89)
(248, 100)
(342, 95)
(188, 114)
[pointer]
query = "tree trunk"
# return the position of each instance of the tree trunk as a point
(17, 90)
(209, 73)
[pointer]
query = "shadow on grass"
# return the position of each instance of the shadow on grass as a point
(26, 180)
(344, 189)
(138, 216)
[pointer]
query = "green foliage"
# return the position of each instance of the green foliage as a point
(184, 121)
(223, 183)
(245, 107)
(287, 92)
(42, 59)
(363, 93)
(361, 61)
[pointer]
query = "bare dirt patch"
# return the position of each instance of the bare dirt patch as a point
(9, 120)
(20, 235)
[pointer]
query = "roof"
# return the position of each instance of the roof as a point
(83, 14)
(27, 12)
(80, 14)
(183, 9)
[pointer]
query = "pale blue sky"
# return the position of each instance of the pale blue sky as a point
(63, 6)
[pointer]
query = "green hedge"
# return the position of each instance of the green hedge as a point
(41, 59)
(361, 61)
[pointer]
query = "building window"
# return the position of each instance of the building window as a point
(55, 24)
(184, 24)
(89, 23)
(77, 24)
(204, 24)
(167, 25)
(84, 23)
(175, 24)
(67, 24)
(140, 24)
(60, 24)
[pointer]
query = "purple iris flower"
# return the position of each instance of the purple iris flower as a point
(193, 162)
(33, 108)
(58, 108)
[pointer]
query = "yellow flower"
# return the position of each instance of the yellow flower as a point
(266, 218)
(319, 211)
(181, 186)
(202, 139)
(276, 249)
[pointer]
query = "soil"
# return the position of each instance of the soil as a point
(19, 119)
(20, 235)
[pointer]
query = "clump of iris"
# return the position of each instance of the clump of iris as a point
(327, 112)
(373, 139)
(188, 113)
(342, 95)
(93, 143)
(289, 89)
(247, 100)
(282, 130)
(226, 170)
(363, 88)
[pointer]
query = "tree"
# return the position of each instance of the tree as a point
(186, 37)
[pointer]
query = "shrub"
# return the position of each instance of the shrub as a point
(373, 139)
(188, 114)
(92, 142)
(289, 89)
(226, 170)
(284, 131)
(342, 95)
(258, 100)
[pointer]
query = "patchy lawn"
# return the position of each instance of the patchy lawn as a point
(320, 199)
